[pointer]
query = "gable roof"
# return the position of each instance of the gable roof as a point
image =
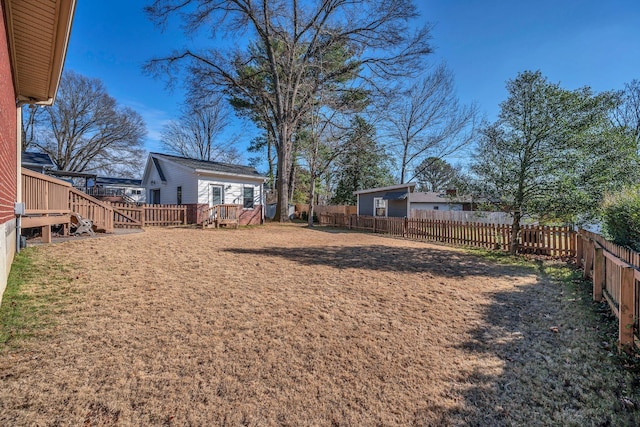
(32, 158)
(205, 166)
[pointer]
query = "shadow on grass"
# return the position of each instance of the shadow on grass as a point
(441, 261)
(550, 363)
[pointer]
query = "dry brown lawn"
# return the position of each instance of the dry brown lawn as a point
(282, 325)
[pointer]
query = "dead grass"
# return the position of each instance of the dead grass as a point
(282, 325)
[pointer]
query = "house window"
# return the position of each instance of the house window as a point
(379, 206)
(179, 195)
(435, 208)
(247, 198)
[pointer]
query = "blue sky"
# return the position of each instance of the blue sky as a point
(484, 42)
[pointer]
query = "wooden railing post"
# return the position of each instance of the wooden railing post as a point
(626, 306)
(598, 274)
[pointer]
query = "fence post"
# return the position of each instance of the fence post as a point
(374, 224)
(405, 230)
(579, 249)
(598, 274)
(588, 259)
(625, 329)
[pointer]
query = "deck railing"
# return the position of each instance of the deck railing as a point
(46, 202)
(44, 195)
(221, 214)
(91, 208)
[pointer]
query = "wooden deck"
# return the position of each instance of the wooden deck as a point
(219, 215)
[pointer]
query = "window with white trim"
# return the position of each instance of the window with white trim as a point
(379, 206)
(247, 198)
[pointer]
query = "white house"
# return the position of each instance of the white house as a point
(436, 201)
(201, 184)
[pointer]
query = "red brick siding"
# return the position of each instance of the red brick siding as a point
(8, 130)
(250, 216)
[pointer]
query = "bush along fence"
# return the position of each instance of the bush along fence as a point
(134, 216)
(613, 269)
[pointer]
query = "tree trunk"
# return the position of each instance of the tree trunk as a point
(312, 194)
(282, 184)
(515, 231)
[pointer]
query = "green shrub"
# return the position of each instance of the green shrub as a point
(621, 217)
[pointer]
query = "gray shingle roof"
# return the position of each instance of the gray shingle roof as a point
(102, 180)
(212, 166)
(36, 159)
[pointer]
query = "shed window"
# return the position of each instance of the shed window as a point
(247, 198)
(379, 206)
(179, 195)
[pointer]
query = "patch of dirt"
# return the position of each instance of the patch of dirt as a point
(282, 325)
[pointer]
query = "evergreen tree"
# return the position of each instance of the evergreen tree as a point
(363, 165)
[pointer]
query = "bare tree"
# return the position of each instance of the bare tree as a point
(274, 74)
(197, 133)
(428, 121)
(627, 114)
(31, 116)
(86, 130)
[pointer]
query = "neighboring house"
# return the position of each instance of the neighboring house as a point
(34, 36)
(392, 201)
(438, 201)
(118, 189)
(37, 162)
(200, 184)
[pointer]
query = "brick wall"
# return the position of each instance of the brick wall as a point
(8, 130)
(250, 216)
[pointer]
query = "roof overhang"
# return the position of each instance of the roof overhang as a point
(409, 186)
(39, 34)
(231, 175)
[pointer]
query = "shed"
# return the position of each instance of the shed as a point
(391, 201)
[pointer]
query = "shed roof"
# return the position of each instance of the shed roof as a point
(408, 185)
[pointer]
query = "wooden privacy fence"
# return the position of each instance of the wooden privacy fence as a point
(133, 216)
(615, 273)
(545, 240)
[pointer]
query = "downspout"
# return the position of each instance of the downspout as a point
(19, 211)
(261, 204)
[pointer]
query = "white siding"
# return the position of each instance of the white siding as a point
(233, 189)
(176, 176)
(440, 206)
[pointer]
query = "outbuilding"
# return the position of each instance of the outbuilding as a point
(391, 201)
(201, 184)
